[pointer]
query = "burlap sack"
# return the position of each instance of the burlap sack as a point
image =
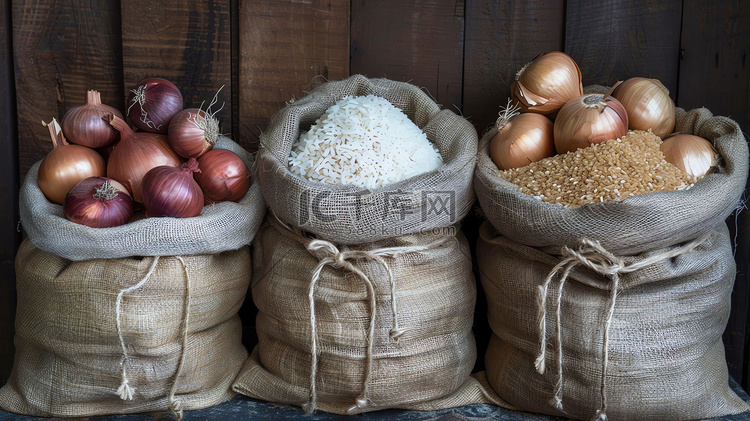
(653, 326)
(616, 308)
(353, 215)
(355, 329)
(636, 224)
(220, 227)
(128, 335)
(101, 329)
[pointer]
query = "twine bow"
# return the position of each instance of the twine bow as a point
(595, 257)
(329, 254)
(125, 391)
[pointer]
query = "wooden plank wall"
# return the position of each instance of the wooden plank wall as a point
(465, 53)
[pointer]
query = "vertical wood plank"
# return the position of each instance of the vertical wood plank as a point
(714, 65)
(614, 40)
(501, 37)
(8, 194)
(184, 41)
(62, 49)
(419, 42)
(284, 47)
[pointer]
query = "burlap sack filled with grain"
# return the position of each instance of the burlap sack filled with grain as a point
(365, 305)
(614, 309)
(347, 214)
(136, 318)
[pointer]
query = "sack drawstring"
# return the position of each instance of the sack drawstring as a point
(595, 257)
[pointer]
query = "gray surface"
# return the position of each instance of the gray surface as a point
(242, 408)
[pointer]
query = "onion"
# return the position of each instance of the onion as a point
(153, 104)
(136, 153)
(546, 83)
(648, 105)
(223, 176)
(589, 119)
(98, 202)
(193, 131)
(84, 125)
(169, 191)
(66, 165)
(692, 154)
(521, 139)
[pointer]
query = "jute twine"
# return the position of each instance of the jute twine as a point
(591, 255)
(328, 254)
(126, 391)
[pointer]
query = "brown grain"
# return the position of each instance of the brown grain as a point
(611, 170)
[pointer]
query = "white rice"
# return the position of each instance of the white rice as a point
(363, 141)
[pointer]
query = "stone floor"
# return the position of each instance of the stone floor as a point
(242, 408)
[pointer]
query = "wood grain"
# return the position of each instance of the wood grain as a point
(8, 195)
(286, 49)
(715, 67)
(417, 42)
(184, 41)
(501, 37)
(614, 40)
(62, 49)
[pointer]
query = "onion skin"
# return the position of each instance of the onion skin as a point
(648, 105)
(66, 165)
(83, 125)
(192, 133)
(223, 176)
(692, 154)
(587, 120)
(153, 103)
(137, 153)
(524, 139)
(172, 192)
(98, 202)
(545, 84)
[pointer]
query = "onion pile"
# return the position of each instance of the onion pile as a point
(548, 92)
(141, 166)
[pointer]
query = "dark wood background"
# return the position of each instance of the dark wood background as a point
(267, 52)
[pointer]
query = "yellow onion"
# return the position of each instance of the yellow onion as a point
(66, 165)
(648, 105)
(546, 83)
(521, 139)
(587, 120)
(692, 154)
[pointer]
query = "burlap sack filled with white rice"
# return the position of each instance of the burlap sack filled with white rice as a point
(136, 318)
(361, 309)
(614, 309)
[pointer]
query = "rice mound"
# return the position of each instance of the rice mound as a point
(363, 141)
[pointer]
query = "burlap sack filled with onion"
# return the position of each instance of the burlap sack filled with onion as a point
(140, 317)
(613, 308)
(361, 306)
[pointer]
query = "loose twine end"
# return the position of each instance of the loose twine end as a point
(176, 407)
(360, 403)
(396, 333)
(600, 416)
(557, 402)
(540, 363)
(125, 391)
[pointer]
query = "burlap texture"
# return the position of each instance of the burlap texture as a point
(664, 344)
(637, 224)
(353, 215)
(422, 359)
(220, 227)
(180, 330)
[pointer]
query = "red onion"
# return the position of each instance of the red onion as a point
(65, 165)
(84, 125)
(98, 202)
(136, 153)
(223, 176)
(193, 132)
(169, 191)
(153, 104)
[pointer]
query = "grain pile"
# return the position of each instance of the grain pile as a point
(611, 170)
